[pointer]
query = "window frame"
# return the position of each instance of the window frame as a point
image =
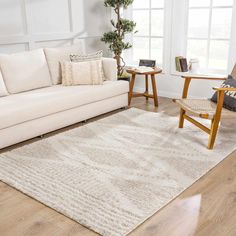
(129, 14)
(179, 35)
(209, 38)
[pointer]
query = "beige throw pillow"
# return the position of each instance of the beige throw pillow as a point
(82, 73)
(89, 57)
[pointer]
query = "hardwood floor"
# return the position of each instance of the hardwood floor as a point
(207, 208)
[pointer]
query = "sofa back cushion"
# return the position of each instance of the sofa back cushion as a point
(25, 71)
(3, 90)
(56, 55)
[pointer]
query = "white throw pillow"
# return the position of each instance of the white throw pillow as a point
(3, 90)
(82, 73)
(25, 71)
(56, 55)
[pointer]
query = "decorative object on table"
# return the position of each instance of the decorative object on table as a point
(230, 96)
(116, 37)
(126, 166)
(147, 63)
(134, 72)
(142, 69)
(181, 64)
(138, 69)
(177, 64)
(194, 65)
(205, 108)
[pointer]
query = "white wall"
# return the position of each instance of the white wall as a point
(30, 24)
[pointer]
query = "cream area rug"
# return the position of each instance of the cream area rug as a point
(113, 174)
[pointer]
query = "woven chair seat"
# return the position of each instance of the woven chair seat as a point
(203, 108)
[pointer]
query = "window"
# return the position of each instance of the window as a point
(209, 33)
(148, 41)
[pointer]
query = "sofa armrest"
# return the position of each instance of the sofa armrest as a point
(109, 68)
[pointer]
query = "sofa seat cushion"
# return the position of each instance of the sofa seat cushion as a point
(23, 107)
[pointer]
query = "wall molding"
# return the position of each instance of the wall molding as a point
(79, 24)
(7, 40)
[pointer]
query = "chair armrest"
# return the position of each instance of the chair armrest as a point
(221, 95)
(224, 89)
(205, 77)
(189, 77)
(109, 68)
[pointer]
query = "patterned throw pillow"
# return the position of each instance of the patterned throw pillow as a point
(230, 96)
(90, 57)
(97, 56)
(82, 73)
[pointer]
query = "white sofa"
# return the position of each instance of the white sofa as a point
(33, 102)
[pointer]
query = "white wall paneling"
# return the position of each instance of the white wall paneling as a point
(30, 24)
(12, 17)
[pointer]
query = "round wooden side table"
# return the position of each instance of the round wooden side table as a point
(146, 94)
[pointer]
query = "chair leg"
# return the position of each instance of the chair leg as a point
(214, 130)
(181, 118)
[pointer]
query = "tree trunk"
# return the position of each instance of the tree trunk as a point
(118, 56)
(119, 66)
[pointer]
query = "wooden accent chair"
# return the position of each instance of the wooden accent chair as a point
(204, 108)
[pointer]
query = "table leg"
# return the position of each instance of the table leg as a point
(146, 82)
(154, 88)
(131, 87)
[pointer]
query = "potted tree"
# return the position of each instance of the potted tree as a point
(116, 37)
